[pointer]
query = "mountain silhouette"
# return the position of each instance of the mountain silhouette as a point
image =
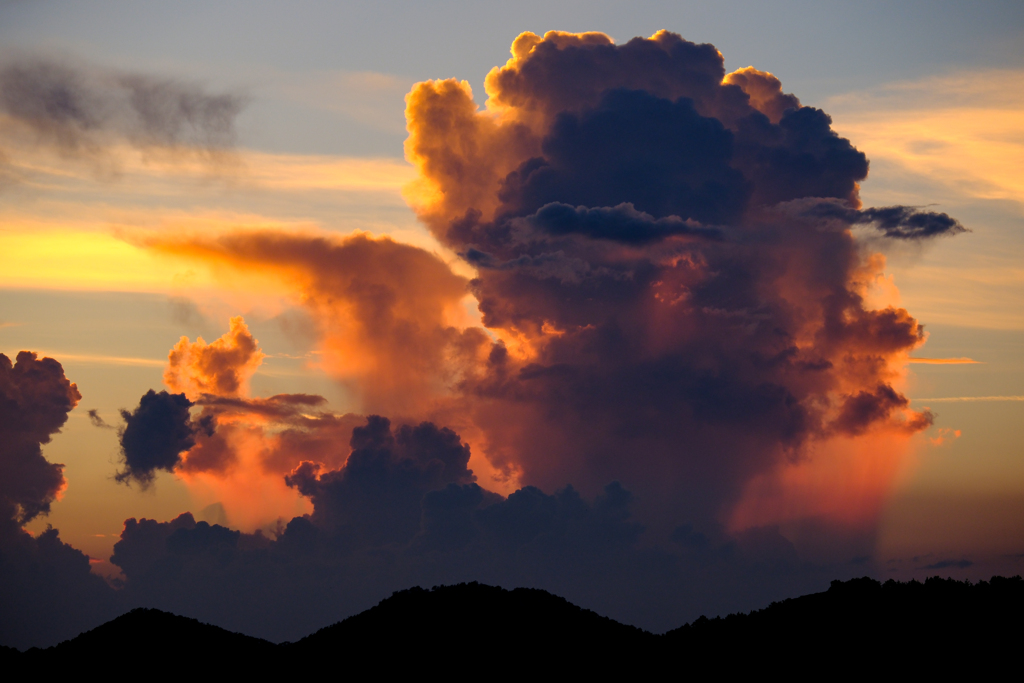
(866, 627)
(857, 627)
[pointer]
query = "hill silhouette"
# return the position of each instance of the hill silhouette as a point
(860, 626)
(155, 640)
(863, 626)
(478, 625)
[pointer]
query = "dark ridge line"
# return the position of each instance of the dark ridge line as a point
(542, 626)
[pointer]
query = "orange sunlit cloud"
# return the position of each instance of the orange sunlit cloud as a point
(252, 496)
(391, 316)
(944, 436)
(221, 368)
(228, 466)
(241, 461)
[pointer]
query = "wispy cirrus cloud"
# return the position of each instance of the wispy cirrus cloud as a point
(957, 399)
(99, 359)
(961, 130)
(953, 139)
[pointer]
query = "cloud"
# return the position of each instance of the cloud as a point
(222, 442)
(35, 399)
(621, 223)
(375, 498)
(388, 314)
(860, 411)
(154, 436)
(47, 592)
(80, 110)
(970, 398)
(896, 222)
(948, 564)
(104, 360)
(665, 251)
(97, 420)
(764, 91)
(222, 368)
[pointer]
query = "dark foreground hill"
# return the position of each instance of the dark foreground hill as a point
(867, 627)
(856, 627)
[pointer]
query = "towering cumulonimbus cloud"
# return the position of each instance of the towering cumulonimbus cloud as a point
(673, 272)
(678, 366)
(35, 399)
(668, 253)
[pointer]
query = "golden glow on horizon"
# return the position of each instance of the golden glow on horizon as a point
(74, 260)
(81, 237)
(945, 361)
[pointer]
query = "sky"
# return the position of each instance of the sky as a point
(347, 297)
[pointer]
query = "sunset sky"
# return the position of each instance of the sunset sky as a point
(763, 357)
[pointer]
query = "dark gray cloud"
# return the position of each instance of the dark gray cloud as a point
(162, 433)
(622, 223)
(860, 411)
(949, 564)
(97, 420)
(47, 591)
(896, 222)
(375, 498)
(161, 429)
(79, 110)
(402, 510)
(35, 399)
(155, 435)
(600, 157)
